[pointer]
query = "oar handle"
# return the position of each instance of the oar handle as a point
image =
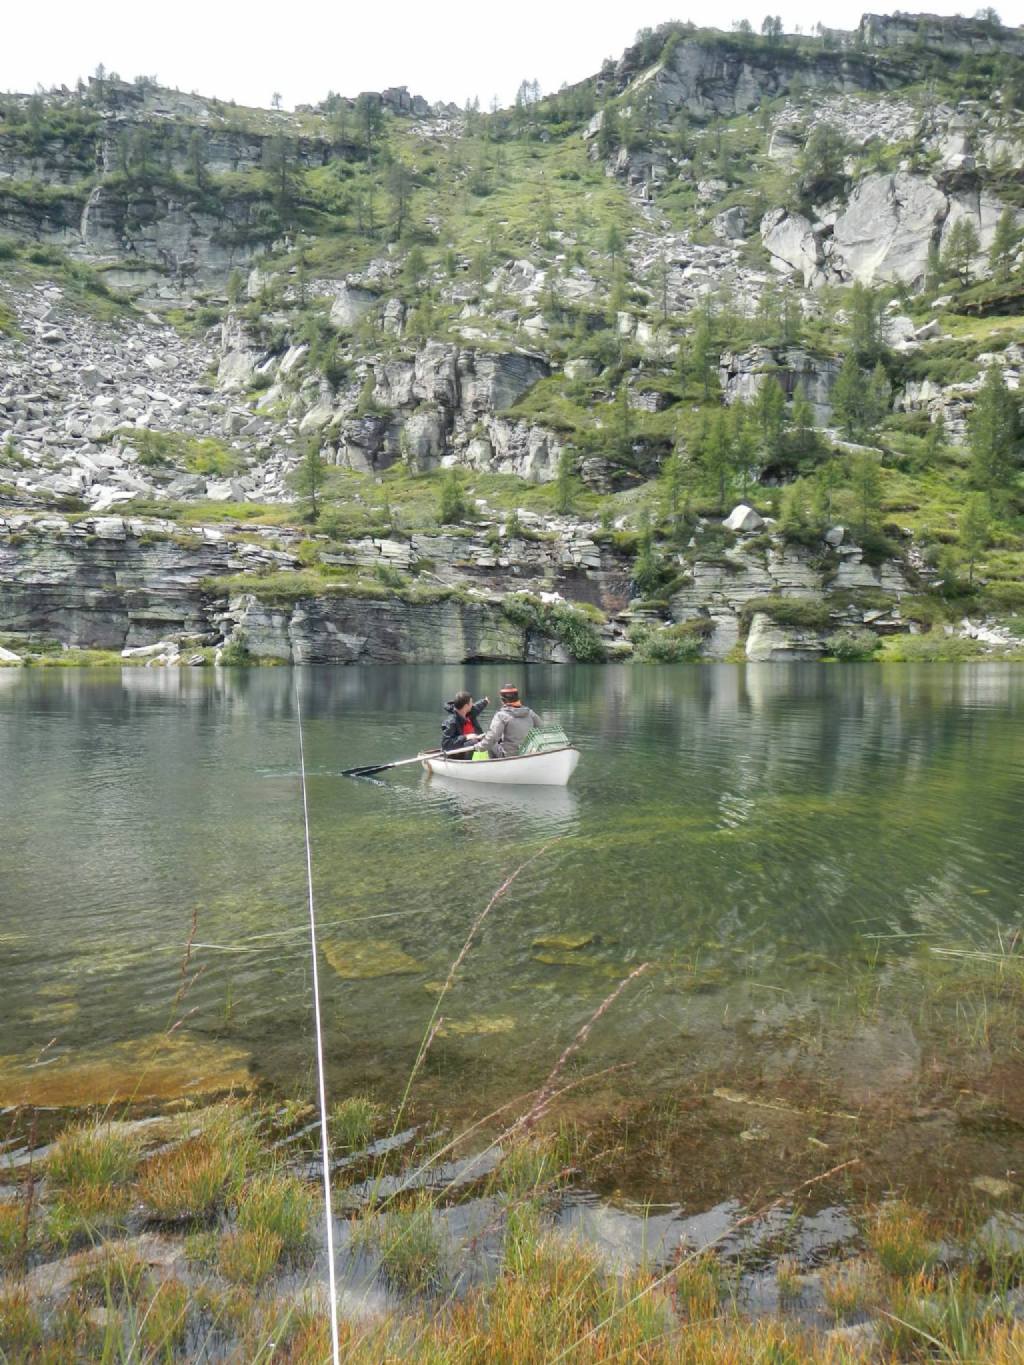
(366, 769)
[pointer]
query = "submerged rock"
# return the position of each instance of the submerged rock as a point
(157, 1067)
(479, 1025)
(364, 960)
(565, 942)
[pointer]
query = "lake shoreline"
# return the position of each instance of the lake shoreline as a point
(206, 1225)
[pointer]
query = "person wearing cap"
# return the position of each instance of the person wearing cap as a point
(461, 727)
(510, 726)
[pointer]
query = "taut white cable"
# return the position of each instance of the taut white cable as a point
(324, 1145)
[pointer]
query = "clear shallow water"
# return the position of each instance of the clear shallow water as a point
(768, 838)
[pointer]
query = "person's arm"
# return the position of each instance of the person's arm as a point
(480, 707)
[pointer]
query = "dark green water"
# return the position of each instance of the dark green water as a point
(775, 841)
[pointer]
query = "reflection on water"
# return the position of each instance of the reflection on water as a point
(761, 835)
(552, 808)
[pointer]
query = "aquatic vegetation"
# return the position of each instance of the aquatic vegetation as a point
(86, 1212)
(115, 1275)
(198, 1177)
(900, 1237)
(90, 1167)
(93, 1155)
(408, 1242)
(250, 1256)
(788, 1278)
(21, 1326)
(12, 1233)
(851, 1288)
(533, 1163)
(352, 1122)
(700, 1284)
(282, 1207)
(164, 1319)
(943, 1314)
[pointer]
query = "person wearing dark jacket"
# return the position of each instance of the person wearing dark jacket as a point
(461, 727)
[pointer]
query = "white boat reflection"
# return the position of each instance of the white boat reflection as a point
(552, 805)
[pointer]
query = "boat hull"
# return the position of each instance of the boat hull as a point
(551, 768)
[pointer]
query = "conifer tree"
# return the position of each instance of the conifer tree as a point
(828, 479)
(451, 503)
(673, 484)
(702, 355)
(565, 482)
(866, 485)
(877, 398)
(1004, 245)
(975, 528)
(962, 245)
(308, 479)
(847, 396)
(865, 324)
(718, 459)
(803, 436)
(935, 441)
(993, 429)
(747, 453)
(769, 410)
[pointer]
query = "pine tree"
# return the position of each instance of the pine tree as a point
(1004, 245)
(962, 245)
(975, 529)
(279, 163)
(821, 162)
(718, 460)
(747, 453)
(399, 186)
(565, 482)
(613, 243)
(865, 324)
(451, 503)
(308, 480)
(415, 266)
(659, 281)
(370, 120)
(935, 441)
(828, 479)
(876, 399)
(992, 429)
(608, 135)
(847, 397)
(648, 568)
(673, 486)
(803, 438)
(866, 485)
(769, 411)
(702, 355)
(798, 516)
(621, 425)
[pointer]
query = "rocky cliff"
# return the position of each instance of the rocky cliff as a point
(544, 350)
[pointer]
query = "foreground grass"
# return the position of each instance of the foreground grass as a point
(195, 1242)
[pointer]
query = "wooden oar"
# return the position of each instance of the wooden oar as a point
(383, 767)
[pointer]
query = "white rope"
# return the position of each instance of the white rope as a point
(324, 1145)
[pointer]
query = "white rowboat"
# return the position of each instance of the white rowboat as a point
(548, 768)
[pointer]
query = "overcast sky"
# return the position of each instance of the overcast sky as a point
(447, 51)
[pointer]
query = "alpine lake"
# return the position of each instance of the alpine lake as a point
(820, 866)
